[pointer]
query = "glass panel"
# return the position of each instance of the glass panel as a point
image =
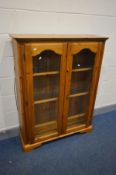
(46, 61)
(80, 81)
(85, 58)
(46, 87)
(78, 105)
(46, 112)
(46, 117)
(77, 110)
(46, 80)
(81, 77)
(76, 120)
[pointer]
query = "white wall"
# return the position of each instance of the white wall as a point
(55, 16)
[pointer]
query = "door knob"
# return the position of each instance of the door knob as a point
(67, 70)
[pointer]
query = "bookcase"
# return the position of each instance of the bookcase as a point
(56, 80)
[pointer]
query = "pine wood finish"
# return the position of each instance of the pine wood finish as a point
(56, 80)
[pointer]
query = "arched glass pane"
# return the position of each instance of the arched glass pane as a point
(83, 59)
(46, 61)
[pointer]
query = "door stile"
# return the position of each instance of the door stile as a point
(67, 86)
(62, 88)
(29, 89)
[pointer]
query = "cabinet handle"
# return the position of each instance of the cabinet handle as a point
(67, 70)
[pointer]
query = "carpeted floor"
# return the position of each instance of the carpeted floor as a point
(81, 154)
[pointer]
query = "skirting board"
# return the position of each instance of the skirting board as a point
(105, 109)
(13, 132)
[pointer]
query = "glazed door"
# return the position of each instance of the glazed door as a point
(81, 68)
(45, 65)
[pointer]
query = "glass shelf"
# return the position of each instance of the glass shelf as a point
(78, 94)
(82, 69)
(45, 100)
(46, 73)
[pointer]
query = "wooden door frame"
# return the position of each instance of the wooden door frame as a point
(59, 48)
(97, 48)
